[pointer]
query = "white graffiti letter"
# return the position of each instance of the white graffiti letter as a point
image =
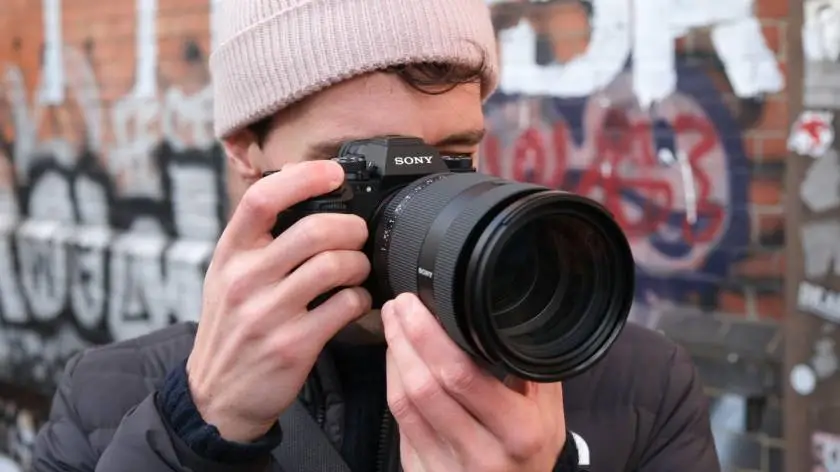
(12, 306)
(185, 264)
(593, 70)
(736, 34)
(146, 69)
(88, 283)
(750, 65)
(152, 285)
(195, 201)
(42, 253)
(187, 120)
(134, 115)
(42, 245)
(215, 23)
(137, 296)
(52, 87)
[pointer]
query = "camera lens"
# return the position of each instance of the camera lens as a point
(536, 281)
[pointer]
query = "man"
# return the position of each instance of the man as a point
(292, 80)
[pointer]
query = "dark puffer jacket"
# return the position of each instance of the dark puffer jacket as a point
(640, 409)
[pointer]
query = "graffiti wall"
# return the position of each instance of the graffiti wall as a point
(111, 199)
(813, 409)
(659, 125)
(112, 190)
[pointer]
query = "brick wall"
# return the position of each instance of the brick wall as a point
(118, 139)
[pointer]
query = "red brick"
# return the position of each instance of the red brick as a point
(774, 36)
(773, 147)
(761, 146)
(732, 302)
(777, 9)
(764, 265)
(768, 223)
(774, 117)
(765, 192)
(770, 306)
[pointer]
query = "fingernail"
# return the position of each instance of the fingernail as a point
(335, 173)
(401, 305)
(387, 309)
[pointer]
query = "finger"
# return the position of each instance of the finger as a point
(408, 456)
(412, 461)
(257, 211)
(312, 235)
(417, 438)
(328, 318)
(454, 424)
(477, 391)
(322, 273)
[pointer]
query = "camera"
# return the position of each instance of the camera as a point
(534, 281)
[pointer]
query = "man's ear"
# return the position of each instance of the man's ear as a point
(244, 155)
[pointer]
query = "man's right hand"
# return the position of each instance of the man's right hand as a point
(256, 340)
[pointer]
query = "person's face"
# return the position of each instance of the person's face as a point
(363, 107)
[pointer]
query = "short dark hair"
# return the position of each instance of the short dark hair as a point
(433, 78)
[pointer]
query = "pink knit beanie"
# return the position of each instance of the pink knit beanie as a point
(273, 53)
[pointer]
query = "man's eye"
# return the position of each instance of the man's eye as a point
(471, 155)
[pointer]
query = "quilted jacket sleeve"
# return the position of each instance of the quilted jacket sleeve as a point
(61, 445)
(682, 436)
(142, 442)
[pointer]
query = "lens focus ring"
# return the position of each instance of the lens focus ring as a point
(432, 221)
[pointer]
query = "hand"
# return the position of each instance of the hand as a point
(256, 340)
(452, 415)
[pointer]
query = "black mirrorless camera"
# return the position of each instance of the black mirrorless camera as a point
(535, 281)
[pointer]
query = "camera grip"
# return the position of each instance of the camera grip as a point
(337, 201)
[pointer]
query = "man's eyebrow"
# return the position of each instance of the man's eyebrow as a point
(463, 138)
(329, 148)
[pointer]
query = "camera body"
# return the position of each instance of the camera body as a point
(534, 281)
(374, 170)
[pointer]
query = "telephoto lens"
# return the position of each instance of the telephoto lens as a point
(536, 281)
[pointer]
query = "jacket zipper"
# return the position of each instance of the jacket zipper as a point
(321, 414)
(383, 454)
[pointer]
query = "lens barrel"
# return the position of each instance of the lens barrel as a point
(537, 282)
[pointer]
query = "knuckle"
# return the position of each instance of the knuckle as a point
(311, 231)
(353, 230)
(328, 265)
(248, 316)
(400, 406)
(238, 285)
(356, 300)
(423, 389)
(285, 350)
(256, 202)
(524, 444)
(417, 329)
(459, 378)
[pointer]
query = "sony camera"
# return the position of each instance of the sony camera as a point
(535, 281)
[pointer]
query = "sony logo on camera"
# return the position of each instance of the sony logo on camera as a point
(412, 160)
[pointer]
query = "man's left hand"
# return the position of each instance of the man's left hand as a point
(455, 417)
